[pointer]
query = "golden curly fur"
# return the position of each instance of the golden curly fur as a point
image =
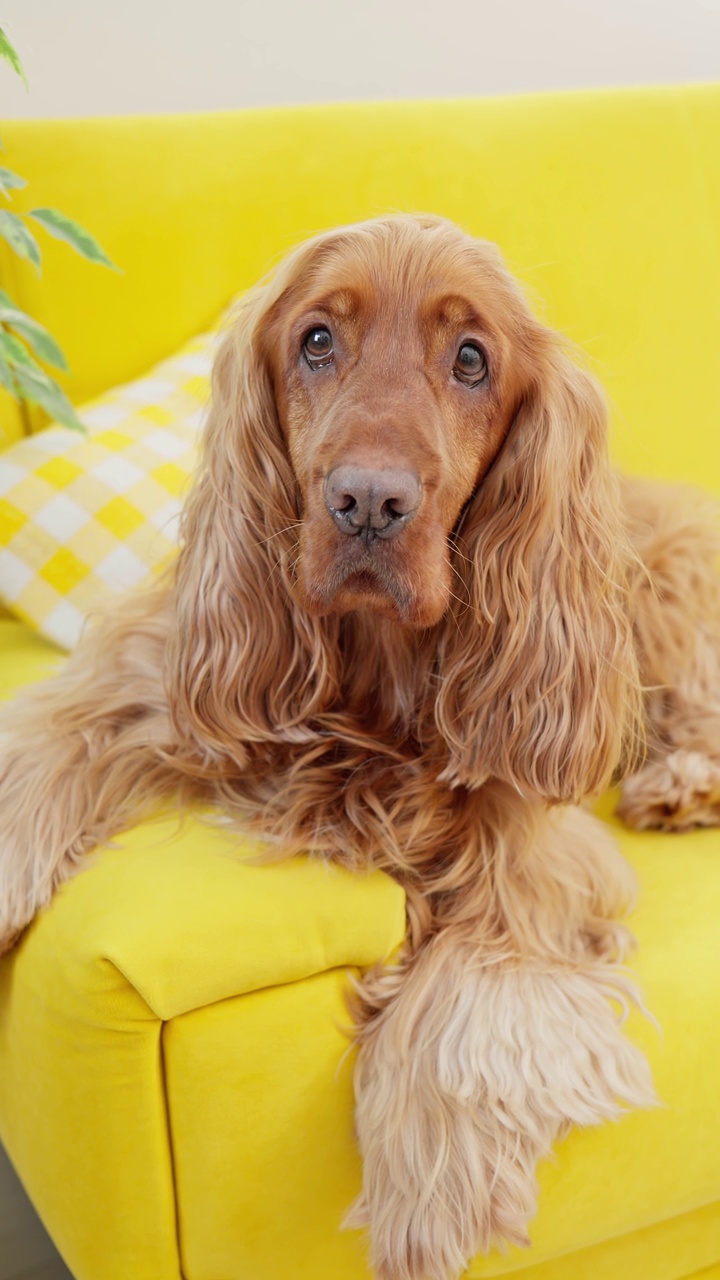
(436, 703)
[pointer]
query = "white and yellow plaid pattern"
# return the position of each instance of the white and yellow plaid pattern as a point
(83, 516)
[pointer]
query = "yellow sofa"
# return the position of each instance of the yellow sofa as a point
(175, 1091)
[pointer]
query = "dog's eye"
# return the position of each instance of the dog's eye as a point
(470, 364)
(318, 347)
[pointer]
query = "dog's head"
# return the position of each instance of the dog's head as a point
(393, 432)
(398, 353)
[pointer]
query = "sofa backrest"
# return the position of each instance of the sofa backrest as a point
(605, 203)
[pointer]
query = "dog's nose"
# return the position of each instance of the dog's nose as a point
(374, 502)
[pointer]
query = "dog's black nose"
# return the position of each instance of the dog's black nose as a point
(372, 502)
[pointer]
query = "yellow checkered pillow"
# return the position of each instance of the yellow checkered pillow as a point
(82, 516)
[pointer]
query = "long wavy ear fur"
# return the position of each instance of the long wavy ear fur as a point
(543, 690)
(244, 665)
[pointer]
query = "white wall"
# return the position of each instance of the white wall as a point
(94, 57)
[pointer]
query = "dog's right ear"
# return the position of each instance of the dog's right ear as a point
(240, 662)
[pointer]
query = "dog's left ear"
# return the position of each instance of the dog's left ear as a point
(540, 684)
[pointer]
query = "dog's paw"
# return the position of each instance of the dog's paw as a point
(460, 1095)
(676, 793)
(447, 1194)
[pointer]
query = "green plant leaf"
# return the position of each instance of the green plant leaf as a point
(10, 181)
(64, 228)
(11, 55)
(13, 230)
(12, 350)
(42, 342)
(6, 378)
(34, 384)
(49, 396)
(36, 336)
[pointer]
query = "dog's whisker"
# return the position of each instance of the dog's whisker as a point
(263, 541)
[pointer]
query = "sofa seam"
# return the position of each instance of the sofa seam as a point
(171, 1148)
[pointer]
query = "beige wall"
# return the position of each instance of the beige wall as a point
(88, 57)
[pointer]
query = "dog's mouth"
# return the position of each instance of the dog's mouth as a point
(375, 579)
(364, 582)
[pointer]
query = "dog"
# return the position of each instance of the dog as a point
(416, 621)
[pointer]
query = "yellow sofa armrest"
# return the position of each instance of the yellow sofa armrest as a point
(112, 1004)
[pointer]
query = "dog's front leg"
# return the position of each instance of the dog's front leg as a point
(472, 1064)
(81, 756)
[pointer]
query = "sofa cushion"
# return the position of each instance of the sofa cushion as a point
(82, 516)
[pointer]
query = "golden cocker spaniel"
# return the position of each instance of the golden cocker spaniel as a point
(415, 621)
